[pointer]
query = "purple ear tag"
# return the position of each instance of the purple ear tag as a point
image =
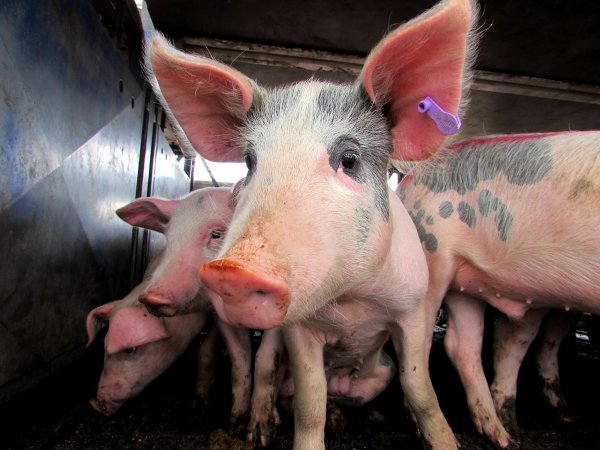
(446, 122)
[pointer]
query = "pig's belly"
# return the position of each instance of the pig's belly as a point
(353, 333)
(514, 292)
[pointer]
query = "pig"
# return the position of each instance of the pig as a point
(319, 245)
(194, 228)
(506, 221)
(138, 347)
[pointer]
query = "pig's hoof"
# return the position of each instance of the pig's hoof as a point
(238, 424)
(508, 417)
(262, 431)
(565, 415)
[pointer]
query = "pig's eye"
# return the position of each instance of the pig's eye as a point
(345, 155)
(349, 161)
(216, 234)
(131, 350)
(250, 162)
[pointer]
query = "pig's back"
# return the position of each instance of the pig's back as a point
(518, 216)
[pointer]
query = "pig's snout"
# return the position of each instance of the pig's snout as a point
(157, 304)
(247, 296)
(104, 406)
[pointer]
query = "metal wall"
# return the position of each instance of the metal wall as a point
(79, 137)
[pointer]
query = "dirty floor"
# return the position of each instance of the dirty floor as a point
(55, 415)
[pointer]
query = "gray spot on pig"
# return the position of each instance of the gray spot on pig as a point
(485, 202)
(429, 220)
(504, 221)
(428, 239)
(446, 209)
(524, 162)
(364, 223)
(466, 214)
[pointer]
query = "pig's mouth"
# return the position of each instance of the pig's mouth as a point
(105, 406)
(246, 296)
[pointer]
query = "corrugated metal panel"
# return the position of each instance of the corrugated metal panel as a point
(73, 130)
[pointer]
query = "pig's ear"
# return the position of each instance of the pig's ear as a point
(152, 213)
(132, 328)
(426, 57)
(207, 99)
(96, 319)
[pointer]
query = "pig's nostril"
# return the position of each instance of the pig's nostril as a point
(260, 292)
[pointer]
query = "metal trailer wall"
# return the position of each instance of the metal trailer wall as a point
(80, 135)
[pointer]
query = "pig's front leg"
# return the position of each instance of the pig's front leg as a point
(264, 417)
(463, 343)
(411, 335)
(237, 341)
(310, 399)
(557, 326)
(512, 339)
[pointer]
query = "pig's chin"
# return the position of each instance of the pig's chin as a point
(249, 316)
(105, 406)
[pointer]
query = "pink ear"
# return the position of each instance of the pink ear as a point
(423, 58)
(152, 213)
(206, 98)
(133, 327)
(96, 319)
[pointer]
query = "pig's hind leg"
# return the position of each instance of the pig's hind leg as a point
(512, 338)
(557, 326)
(463, 344)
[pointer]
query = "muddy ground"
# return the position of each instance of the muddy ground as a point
(55, 415)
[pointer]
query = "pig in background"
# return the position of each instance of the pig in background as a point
(318, 243)
(138, 345)
(510, 221)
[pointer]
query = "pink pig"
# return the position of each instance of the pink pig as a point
(138, 347)
(318, 243)
(193, 227)
(509, 221)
